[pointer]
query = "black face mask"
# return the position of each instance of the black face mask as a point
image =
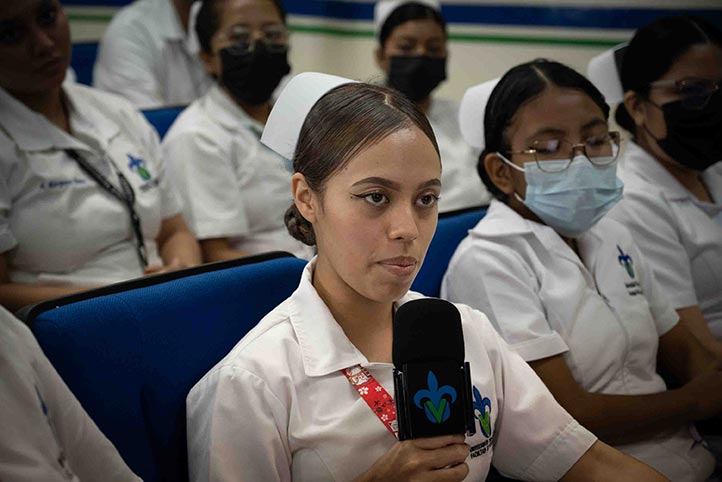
(694, 136)
(416, 77)
(252, 77)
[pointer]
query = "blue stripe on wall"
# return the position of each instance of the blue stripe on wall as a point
(530, 16)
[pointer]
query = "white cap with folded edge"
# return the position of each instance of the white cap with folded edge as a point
(471, 112)
(602, 71)
(384, 8)
(291, 108)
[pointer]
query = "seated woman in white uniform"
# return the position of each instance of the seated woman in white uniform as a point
(84, 199)
(233, 188)
(412, 52)
(566, 286)
(671, 74)
(279, 406)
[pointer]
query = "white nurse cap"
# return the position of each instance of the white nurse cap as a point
(471, 112)
(604, 71)
(293, 105)
(384, 8)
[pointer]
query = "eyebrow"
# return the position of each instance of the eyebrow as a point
(552, 130)
(594, 123)
(394, 185)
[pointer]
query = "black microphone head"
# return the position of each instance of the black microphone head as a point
(427, 329)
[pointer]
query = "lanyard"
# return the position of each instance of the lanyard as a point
(375, 396)
(127, 197)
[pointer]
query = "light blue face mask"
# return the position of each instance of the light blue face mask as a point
(573, 200)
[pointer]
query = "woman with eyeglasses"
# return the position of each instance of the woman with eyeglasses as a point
(234, 189)
(412, 52)
(566, 286)
(671, 75)
(84, 200)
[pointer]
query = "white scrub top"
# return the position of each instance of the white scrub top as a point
(603, 312)
(231, 185)
(680, 235)
(146, 56)
(461, 186)
(46, 434)
(278, 408)
(57, 225)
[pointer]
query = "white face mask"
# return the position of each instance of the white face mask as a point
(573, 200)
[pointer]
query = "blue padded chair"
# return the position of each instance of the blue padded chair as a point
(83, 60)
(162, 118)
(131, 352)
(452, 228)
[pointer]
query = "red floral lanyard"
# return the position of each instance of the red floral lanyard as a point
(375, 396)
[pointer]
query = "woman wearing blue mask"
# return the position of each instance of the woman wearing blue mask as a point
(671, 75)
(412, 52)
(566, 286)
(235, 190)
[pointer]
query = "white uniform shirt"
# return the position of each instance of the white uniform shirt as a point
(461, 185)
(278, 408)
(146, 57)
(56, 223)
(46, 434)
(604, 312)
(680, 235)
(231, 185)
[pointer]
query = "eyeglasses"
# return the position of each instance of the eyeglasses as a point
(600, 150)
(241, 39)
(695, 92)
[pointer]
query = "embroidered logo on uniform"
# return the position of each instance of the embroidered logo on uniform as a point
(435, 401)
(138, 165)
(626, 261)
(482, 411)
(633, 287)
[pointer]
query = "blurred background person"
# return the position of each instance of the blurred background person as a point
(412, 52)
(234, 189)
(671, 75)
(84, 199)
(46, 434)
(149, 55)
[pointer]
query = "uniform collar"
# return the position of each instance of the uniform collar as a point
(502, 221)
(30, 130)
(325, 348)
(644, 165)
(167, 21)
(228, 113)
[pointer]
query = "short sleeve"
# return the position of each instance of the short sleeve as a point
(7, 239)
(654, 230)
(202, 172)
(536, 439)
(125, 64)
(236, 429)
(496, 281)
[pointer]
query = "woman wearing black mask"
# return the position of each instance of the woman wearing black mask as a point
(235, 190)
(412, 53)
(671, 75)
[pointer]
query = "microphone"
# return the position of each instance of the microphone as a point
(431, 379)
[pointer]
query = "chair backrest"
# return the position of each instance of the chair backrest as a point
(83, 60)
(131, 356)
(452, 228)
(162, 118)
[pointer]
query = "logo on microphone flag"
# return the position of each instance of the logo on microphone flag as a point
(435, 400)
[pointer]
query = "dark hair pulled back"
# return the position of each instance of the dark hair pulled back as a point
(517, 87)
(343, 123)
(653, 51)
(406, 13)
(208, 20)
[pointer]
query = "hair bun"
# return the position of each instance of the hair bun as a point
(299, 227)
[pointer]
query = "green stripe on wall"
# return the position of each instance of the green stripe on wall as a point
(342, 32)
